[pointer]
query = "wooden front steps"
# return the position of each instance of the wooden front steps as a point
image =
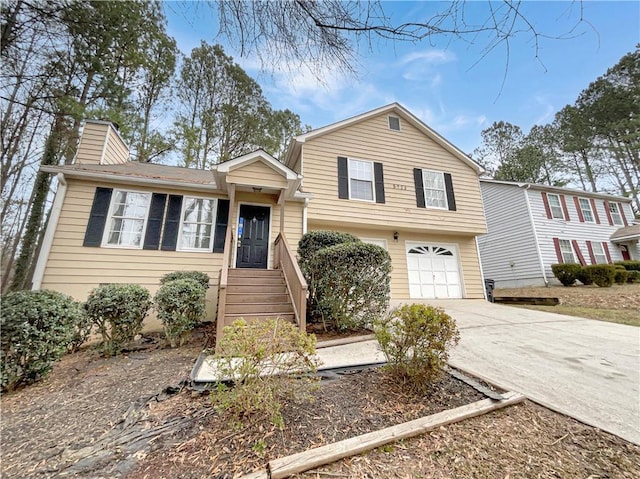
(257, 294)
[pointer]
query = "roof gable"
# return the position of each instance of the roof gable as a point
(393, 108)
(258, 155)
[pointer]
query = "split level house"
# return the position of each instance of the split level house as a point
(533, 226)
(383, 176)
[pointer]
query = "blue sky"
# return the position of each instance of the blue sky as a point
(449, 85)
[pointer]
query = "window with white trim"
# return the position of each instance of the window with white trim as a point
(587, 213)
(435, 194)
(197, 223)
(378, 242)
(556, 207)
(598, 253)
(616, 216)
(566, 251)
(127, 219)
(361, 180)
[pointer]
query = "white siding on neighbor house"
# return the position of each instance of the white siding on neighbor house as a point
(508, 251)
(574, 229)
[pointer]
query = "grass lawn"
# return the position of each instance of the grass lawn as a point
(617, 304)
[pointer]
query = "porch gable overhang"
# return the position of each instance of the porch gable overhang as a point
(282, 180)
(626, 234)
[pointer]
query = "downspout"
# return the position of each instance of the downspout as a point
(484, 289)
(304, 216)
(535, 235)
(47, 241)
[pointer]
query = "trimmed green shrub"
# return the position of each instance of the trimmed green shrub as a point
(633, 276)
(308, 246)
(566, 273)
(416, 339)
(584, 277)
(37, 329)
(601, 274)
(118, 311)
(180, 305)
(353, 289)
(629, 265)
(264, 358)
(199, 276)
(621, 274)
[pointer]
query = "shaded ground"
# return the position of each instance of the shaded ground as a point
(96, 417)
(619, 303)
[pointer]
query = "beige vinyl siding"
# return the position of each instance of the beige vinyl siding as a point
(399, 152)
(75, 269)
(91, 143)
(116, 151)
(258, 174)
(471, 279)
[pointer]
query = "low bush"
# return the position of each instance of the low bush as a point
(629, 265)
(37, 329)
(621, 275)
(601, 274)
(118, 310)
(354, 287)
(566, 273)
(416, 339)
(199, 276)
(633, 276)
(314, 241)
(180, 305)
(268, 361)
(584, 277)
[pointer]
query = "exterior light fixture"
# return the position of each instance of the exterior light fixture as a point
(395, 236)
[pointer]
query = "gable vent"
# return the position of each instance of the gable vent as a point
(394, 123)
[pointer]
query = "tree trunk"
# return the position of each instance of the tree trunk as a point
(25, 263)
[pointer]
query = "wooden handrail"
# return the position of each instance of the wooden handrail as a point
(224, 272)
(296, 284)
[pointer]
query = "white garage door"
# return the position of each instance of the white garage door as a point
(434, 271)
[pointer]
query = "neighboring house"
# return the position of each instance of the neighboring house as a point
(534, 226)
(383, 176)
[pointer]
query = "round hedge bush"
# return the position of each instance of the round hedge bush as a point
(566, 273)
(416, 339)
(180, 305)
(37, 328)
(199, 276)
(314, 241)
(118, 311)
(353, 288)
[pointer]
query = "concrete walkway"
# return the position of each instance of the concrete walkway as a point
(586, 369)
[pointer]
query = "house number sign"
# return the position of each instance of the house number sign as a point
(399, 187)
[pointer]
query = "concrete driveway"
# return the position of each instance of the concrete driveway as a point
(586, 369)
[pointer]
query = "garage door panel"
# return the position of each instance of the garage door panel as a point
(433, 271)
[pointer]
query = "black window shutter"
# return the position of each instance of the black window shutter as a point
(98, 217)
(343, 179)
(154, 222)
(451, 198)
(222, 220)
(379, 177)
(417, 178)
(172, 223)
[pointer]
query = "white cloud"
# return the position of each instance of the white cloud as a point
(421, 66)
(433, 56)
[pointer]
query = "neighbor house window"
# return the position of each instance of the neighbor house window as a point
(196, 226)
(394, 123)
(556, 207)
(587, 214)
(598, 253)
(435, 194)
(614, 209)
(361, 180)
(127, 218)
(567, 251)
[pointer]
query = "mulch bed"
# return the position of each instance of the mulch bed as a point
(116, 417)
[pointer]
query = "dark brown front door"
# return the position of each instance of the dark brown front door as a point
(253, 237)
